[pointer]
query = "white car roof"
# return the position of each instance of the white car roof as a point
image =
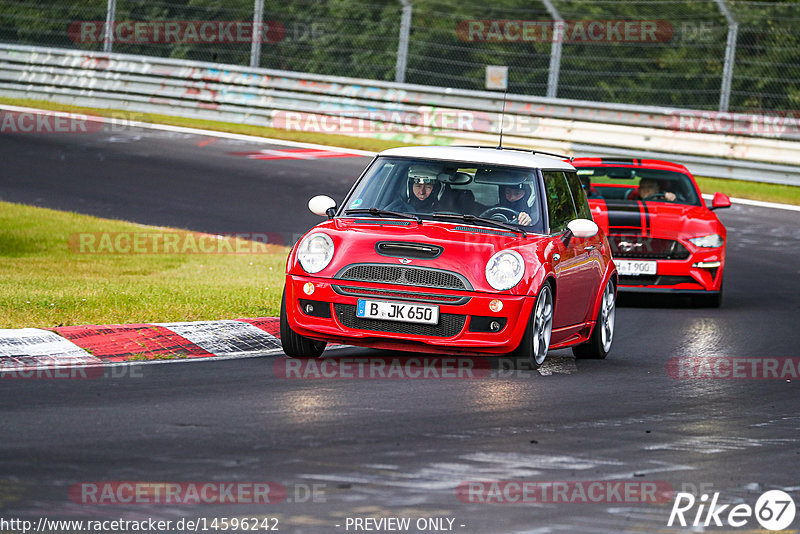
(489, 156)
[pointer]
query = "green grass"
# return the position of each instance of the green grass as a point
(735, 188)
(44, 282)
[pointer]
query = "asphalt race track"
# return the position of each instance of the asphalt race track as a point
(348, 449)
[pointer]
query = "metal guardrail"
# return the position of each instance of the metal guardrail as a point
(747, 147)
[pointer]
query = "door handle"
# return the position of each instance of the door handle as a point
(590, 247)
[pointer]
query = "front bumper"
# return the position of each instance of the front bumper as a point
(464, 324)
(701, 272)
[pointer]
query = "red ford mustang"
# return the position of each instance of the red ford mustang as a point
(454, 250)
(662, 235)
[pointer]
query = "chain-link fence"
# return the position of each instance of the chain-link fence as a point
(704, 54)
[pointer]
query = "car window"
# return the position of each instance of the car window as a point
(625, 184)
(452, 188)
(578, 196)
(560, 206)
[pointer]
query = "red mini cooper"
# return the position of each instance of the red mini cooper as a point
(662, 235)
(454, 250)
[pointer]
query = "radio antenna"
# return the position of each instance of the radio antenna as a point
(503, 117)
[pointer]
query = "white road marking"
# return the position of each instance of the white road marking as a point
(283, 142)
(759, 203)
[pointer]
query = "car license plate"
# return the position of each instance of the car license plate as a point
(397, 311)
(635, 268)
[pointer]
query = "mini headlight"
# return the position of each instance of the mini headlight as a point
(707, 241)
(504, 270)
(315, 252)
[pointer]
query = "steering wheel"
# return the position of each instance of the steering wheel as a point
(500, 213)
(656, 196)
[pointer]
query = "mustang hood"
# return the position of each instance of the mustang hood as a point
(654, 219)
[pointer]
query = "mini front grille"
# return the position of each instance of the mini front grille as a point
(403, 275)
(400, 295)
(651, 248)
(449, 324)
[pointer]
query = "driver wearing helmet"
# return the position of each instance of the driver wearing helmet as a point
(422, 190)
(514, 197)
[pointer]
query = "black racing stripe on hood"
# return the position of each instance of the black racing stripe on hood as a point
(647, 228)
(625, 218)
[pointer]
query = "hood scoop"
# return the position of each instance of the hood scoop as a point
(402, 249)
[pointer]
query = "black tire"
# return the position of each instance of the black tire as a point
(599, 344)
(295, 345)
(536, 341)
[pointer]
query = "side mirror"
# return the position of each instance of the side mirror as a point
(580, 228)
(721, 200)
(583, 228)
(322, 205)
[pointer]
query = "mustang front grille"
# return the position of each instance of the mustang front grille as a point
(449, 324)
(650, 248)
(658, 280)
(403, 275)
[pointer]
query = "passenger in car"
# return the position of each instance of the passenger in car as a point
(422, 191)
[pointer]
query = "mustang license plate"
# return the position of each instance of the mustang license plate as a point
(635, 268)
(397, 311)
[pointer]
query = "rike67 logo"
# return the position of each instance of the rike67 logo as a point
(774, 510)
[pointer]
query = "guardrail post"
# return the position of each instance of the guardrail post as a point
(555, 49)
(730, 56)
(258, 23)
(402, 45)
(111, 16)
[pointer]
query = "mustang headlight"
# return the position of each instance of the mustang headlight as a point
(315, 252)
(504, 270)
(707, 241)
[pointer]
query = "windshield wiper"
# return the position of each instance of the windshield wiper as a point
(474, 218)
(376, 211)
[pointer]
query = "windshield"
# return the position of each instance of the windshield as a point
(628, 184)
(434, 189)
